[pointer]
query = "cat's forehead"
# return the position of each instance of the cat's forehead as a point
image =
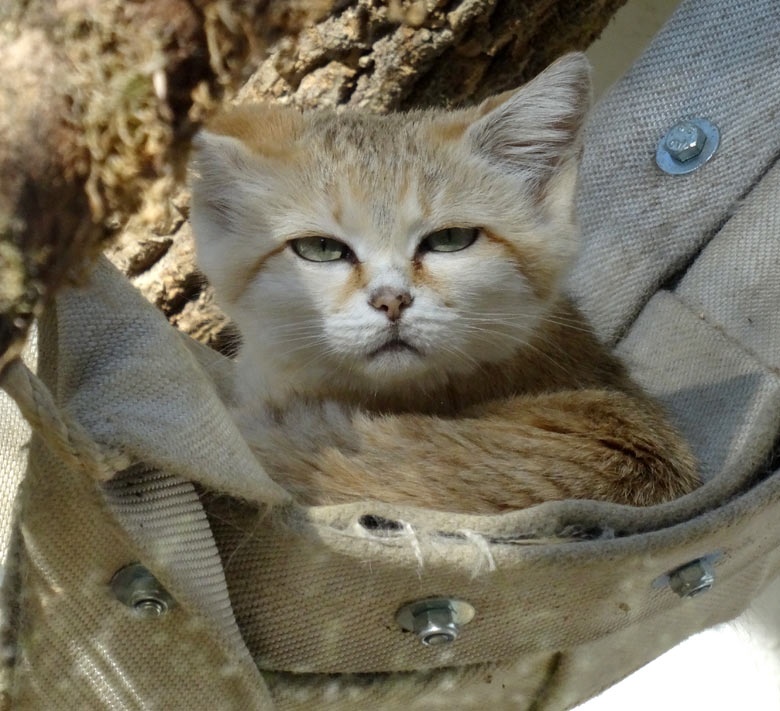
(378, 148)
(367, 134)
(389, 167)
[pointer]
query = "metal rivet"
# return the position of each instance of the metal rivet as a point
(137, 588)
(691, 579)
(687, 145)
(436, 620)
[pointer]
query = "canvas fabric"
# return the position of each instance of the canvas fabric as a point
(14, 435)
(291, 608)
(715, 59)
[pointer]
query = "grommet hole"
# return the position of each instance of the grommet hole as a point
(379, 524)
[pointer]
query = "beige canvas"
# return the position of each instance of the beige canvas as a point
(282, 607)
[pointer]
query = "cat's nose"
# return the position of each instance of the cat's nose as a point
(391, 301)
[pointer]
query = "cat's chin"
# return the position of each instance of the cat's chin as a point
(395, 359)
(400, 364)
(392, 347)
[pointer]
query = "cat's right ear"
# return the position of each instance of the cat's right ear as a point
(213, 153)
(236, 155)
(219, 165)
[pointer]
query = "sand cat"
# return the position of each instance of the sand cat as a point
(397, 282)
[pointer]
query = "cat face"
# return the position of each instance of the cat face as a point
(365, 252)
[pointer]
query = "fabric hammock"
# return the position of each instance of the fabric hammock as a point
(262, 604)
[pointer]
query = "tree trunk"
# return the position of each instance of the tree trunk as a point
(99, 98)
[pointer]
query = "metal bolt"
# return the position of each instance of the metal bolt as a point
(687, 145)
(685, 141)
(435, 621)
(693, 578)
(137, 588)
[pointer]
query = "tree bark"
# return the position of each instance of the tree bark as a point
(99, 98)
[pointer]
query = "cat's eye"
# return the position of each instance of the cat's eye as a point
(452, 239)
(320, 249)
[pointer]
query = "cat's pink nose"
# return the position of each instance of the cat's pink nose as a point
(391, 301)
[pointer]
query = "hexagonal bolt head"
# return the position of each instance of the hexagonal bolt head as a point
(137, 588)
(435, 620)
(693, 578)
(436, 626)
(685, 141)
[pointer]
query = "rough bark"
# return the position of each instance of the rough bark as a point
(443, 53)
(98, 99)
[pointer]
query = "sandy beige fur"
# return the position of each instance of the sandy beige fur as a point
(507, 399)
(537, 428)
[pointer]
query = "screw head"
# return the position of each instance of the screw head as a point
(137, 588)
(685, 141)
(687, 145)
(435, 621)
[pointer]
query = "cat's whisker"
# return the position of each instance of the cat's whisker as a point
(495, 319)
(524, 343)
(314, 338)
(559, 321)
(453, 350)
(292, 330)
(330, 352)
(491, 316)
(305, 346)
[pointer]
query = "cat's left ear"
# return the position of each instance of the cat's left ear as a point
(534, 130)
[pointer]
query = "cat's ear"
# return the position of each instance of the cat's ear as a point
(237, 153)
(534, 130)
(218, 158)
(219, 164)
